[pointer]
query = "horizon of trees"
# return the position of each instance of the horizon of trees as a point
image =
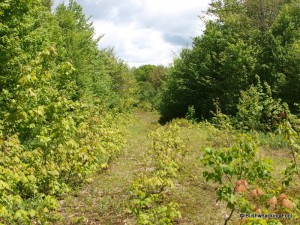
(247, 43)
(63, 100)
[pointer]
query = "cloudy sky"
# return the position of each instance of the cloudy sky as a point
(145, 31)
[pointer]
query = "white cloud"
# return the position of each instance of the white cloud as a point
(145, 31)
(136, 46)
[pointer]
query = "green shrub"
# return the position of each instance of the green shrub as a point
(257, 110)
(150, 202)
(233, 167)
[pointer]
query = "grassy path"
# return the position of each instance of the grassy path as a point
(196, 197)
(104, 200)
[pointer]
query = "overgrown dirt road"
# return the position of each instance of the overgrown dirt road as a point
(105, 199)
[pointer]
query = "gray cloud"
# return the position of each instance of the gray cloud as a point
(176, 39)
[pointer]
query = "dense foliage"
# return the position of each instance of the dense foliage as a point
(246, 182)
(150, 79)
(245, 39)
(150, 201)
(98, 72)
(58, 95)
(62, 105)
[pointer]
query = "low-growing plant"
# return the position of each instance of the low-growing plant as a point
(271, 139)
(167, 150)
(233, 168)
(150, 202)
(191, 114)
(30, 181)
(219, 119)
(292, 138)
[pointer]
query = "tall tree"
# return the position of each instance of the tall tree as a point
(98, 72)
(286, 30)
(78, 41)
(218, 66)
(244, 39)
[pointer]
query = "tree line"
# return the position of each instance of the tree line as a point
(249, 49)
(61, 100)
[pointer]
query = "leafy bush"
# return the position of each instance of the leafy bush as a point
(246, 184)
(257, 110)
(150, 202)
(219, 119)
(292, 139)
(42, 175)
(190, 115)
(235, 165)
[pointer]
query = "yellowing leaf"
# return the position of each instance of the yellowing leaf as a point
(4, 185)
